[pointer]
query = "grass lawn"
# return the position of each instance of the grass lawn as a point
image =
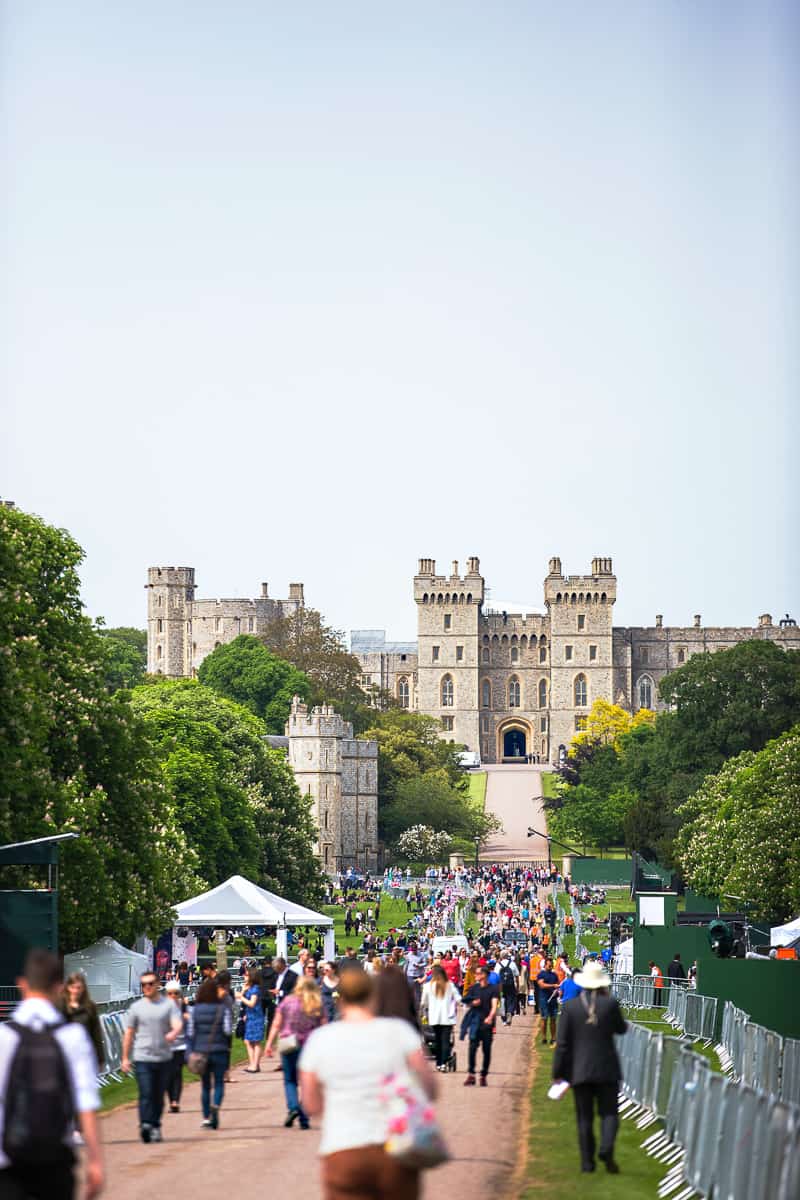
(553, 1164)
(126, 1092)
(477, 789)
(394, 914)
(652, 1018)
(548, 779)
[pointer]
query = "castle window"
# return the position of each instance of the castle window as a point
(402, 658)
(485, 655)
(249, 624)
(543, 725)
(447, 691)
(580, 691)
(542, 654)
(542, 693)
(495, 640)
(568, 653)
(643, 654)
(486, 639)
(217, 624)
(681, 655)
(504, 640)
(447, 723)
(485, 724)
(459, 653)
(448, 620)
(581, 621)
(159, 626)
(486, 694)
(523, 642)
(513, 692)
(159, 651)
(592, 653)
(326, 818)
(434, 653)
(402, 692)
(217, 645)
(366, 681)
(514, 654)
(645, 692)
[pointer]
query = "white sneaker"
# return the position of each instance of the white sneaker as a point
(206, 1123)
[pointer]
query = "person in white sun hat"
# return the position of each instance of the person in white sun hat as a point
(586, 1058)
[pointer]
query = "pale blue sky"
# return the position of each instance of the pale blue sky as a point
(305, 292)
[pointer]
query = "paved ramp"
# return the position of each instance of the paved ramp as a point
(514, 794)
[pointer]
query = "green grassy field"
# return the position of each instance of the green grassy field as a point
(477, 788)
(125, 1092)
(394, 914)
(553, 1162)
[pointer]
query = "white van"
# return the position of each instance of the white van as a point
(470, 760)
(448, 941)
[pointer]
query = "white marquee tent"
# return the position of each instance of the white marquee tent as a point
(238, 903)
(785, 935)
(623, 959)
(111, 971)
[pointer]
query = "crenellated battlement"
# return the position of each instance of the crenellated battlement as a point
(430, 588)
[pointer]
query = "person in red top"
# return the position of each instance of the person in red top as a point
(452, 968)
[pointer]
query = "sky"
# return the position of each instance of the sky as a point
(307, 292)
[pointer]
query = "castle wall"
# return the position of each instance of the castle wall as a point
(182, 630)
(340, 774)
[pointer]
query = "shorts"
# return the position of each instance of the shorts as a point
(549, 1007)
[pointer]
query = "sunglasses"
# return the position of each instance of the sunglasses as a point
(149, 982)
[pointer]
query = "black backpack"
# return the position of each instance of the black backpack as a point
(40, 1111)
(507, 980)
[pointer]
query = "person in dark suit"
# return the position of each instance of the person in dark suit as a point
(586, 1058)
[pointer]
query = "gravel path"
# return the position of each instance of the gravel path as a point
(514, 794)
(481, 1125)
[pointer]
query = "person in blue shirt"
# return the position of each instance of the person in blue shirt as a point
(569, 989)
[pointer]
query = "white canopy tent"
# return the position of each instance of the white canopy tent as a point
(238, 903)
(623, 959)
(784, 935)
(111, 971)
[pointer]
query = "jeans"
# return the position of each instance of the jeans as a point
(483, 1038)
(289, 1064)
(217, 1066)
(175, 1085)
(606, 1095)
(152, 1079)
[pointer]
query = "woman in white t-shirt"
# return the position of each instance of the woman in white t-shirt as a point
(439, 1003)
(342, 1069)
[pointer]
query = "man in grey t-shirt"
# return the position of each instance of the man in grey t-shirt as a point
(153, 1024)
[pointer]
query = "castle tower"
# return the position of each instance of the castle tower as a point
(580, 608)
(448, 613)
(170, 592)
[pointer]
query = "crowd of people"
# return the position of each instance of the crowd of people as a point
(478, 951)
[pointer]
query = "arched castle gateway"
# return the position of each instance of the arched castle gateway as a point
(510, 685)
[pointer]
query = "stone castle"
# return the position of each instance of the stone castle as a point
(517, 685)
(509, 686)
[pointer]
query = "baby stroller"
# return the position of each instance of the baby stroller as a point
(451, 1062)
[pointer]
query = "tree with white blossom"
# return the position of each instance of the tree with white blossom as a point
(420, 842)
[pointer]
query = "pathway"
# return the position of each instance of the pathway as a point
(514, 794)
(481, 1126)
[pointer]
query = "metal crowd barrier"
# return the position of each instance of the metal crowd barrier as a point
(694, 1014)
(719, 1136)
(759, 1057)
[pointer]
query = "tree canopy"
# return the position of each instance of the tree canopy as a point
(316, 649)
(237, 800)
(74, 757)
(245, 671)
(126, 655)
(739, 834)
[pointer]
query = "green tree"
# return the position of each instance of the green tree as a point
(316, 649)
(246, 672)
(126, 656)
(238, 802)
(409, 747)
(74, 757)
(740, 834)
(428, 800)
(720, 705)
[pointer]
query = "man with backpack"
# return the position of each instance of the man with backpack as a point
(37, 1120)
(507, 977)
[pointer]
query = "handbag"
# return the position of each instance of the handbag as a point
(413, 1136)
(288, 1043)
(197, 1061)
